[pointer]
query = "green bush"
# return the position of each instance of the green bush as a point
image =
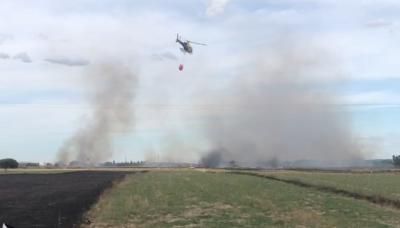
(8, 163)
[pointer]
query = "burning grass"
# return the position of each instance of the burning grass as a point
(198, 199)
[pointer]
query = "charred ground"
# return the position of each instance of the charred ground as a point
(51, 200)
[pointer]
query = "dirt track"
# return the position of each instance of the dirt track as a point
(50, 200)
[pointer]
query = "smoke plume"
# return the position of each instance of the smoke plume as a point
(212, 159)
(112, 89)
(278, 112)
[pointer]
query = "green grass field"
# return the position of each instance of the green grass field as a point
(200, 199)
(383, 184)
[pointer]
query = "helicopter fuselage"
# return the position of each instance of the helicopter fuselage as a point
(186, 47)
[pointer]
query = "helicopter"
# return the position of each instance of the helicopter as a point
(186, 47)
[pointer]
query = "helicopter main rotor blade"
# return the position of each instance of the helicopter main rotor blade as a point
(196, 43)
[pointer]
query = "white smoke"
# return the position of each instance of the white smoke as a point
(278, 111)
(112, 90)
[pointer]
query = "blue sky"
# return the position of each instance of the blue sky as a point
(43, 102)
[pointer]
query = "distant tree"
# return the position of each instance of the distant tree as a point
(8, 163)
(396, 160)
(108, 164)
(232, 164)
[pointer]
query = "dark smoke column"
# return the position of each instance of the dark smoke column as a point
(112, 89)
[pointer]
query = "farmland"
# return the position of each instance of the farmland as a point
(202, 199)
(196, 198)
(52, 199)
(382, 184)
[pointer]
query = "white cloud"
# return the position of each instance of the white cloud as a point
(4, 56)
(68, 61)
(373, 98)
(23, 56)
(5, 37)
(216, 7)
(378, 23)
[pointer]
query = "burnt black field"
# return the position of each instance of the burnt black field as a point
(51, 200)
